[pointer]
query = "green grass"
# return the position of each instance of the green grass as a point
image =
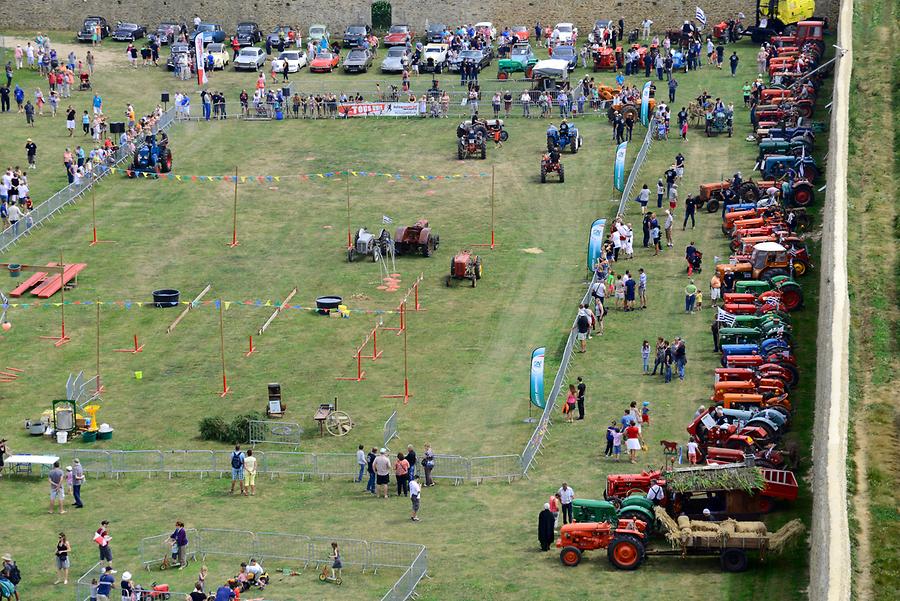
(468, 350)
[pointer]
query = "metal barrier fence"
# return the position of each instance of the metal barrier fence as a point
(390, 431)
(50, 207)
(405, 587)
(636, 168)
(275, 432)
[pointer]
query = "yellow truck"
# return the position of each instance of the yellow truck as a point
(774, 16)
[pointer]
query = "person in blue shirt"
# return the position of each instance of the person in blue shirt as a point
(224, 593)
(98, 104)
(620, 80)
(106, 584)
(19, 95)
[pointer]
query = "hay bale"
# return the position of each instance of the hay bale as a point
(781, 540)
(702, 526)
(757, 528)
(684, 522)
(727, 528)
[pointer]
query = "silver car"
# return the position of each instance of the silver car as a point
(396, 61)
(251, 58)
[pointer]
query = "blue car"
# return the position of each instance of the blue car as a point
(566, 53)
(211, 32)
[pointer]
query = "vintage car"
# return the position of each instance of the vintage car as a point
(399, 35)
(487, 29)
(435, 33)
(565, 52)
(211, 32)
(563, 33)
(396, 61)
(358, 61)
(251, 58)
(86, 33)
(434, 58)
(481, 59)
(355, 35)
(219, 54)
(274, 36)
(326, 61)
(128, 32)
(520, 32)
(167, 31)
(318, 32)
(248, 33)
(295, 59)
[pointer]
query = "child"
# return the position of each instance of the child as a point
(94, 589)
(645, 414)
(692, 451)
(337, 565)
(498, 143)
(617, 444)
(554, 508)
(684, 129)
(698, 300)
(645, 356)
(662, 130)
(660, 190)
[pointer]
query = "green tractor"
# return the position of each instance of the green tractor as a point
(635, 506)
(719, 122)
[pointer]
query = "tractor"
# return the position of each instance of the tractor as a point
(471, 141)
(465, 266)
(805, 32)
(417, 238)
(550, 163)
(366, 244)
(767, 261)
(623, 541)
(636, 507)
(564, 137)
(152, 156)
(775, 166)
(719, 122)
(606, 58)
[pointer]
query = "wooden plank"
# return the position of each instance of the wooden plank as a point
(35, 279)
(187, 309)
(52, 284)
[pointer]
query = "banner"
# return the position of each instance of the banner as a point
(645, 104)
(537, 378)
(201, 64)
(595, 243)
(379, 109)
(619, 169)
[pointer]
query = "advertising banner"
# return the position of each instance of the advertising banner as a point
(645, 104)
(619, 168)
(379, 109)
(537, 378)
(595, 244)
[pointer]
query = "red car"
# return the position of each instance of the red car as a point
(325, 62)
(398, 35)
(521, 32)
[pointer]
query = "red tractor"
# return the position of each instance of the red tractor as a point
(465, 266)
(605, 58)
(806, 32)
(550, 163)
(417, 238)
(624, 544)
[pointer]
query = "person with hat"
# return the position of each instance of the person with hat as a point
(127, 586)
(106, 584)
(77, 481)
(102, 538)
(382, 467)
(9, 578)
(546, 525)
(30, 153)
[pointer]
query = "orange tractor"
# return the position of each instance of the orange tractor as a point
(767, 261)
(416, 238)
(465, 266)
(624, 542)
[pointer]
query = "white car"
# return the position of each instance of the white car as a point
(295, 59)
(251, 58)
(563, 33)
(487, 28)
(434, 57)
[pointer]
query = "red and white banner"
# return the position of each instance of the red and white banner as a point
(201, 63)
(379, 109)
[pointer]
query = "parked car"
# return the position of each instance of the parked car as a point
(128, 32)
(520, 32)
(565, 52)
(481, 58)
(355, 35)
(219, 53)
(563, 33)
(396, 61)
(211, 32)
(179, 48)
(358, 61)
(435, 33)
(251, 58)
(399, 35)
(325, 62)
(86, 33)
(487, 29)
(522, 53)
(434, 58)
(317, 32)
(248, 33)
(275, 35)
(295, 59)
(167, 31)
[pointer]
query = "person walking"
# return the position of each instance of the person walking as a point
(673, 85)
(642, 287)
(415, 492)
(680, 357)
(382, 467)
(56, 478)
(401, 474)
(106, 584)
(546, 523)
(690, 207)
(566, 496)
(361, 462)
(336, 563)
(102, 538)
(250, 469)
(63, 548)
(237, 468)
(581, 388)
(77, 481)
(179, 542)
(733, 62)
(582, 327)
(690, 295)
(428, 465)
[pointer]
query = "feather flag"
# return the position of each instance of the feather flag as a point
(700, 16)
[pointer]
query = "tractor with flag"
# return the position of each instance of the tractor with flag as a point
(153, 156)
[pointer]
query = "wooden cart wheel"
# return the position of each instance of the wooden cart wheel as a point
(338, 423)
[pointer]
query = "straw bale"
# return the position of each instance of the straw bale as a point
(780, 540)
(684, 521)
(757, 528)
(701, 526)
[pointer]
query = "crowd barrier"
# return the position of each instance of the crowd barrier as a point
(636, 168)
(390, 430)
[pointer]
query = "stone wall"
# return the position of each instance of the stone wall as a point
(337, 14)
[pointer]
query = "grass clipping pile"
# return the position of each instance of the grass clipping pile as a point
(685, 533)
(729, 477)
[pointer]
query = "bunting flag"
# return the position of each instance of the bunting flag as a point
(129, 304)
(267, 179)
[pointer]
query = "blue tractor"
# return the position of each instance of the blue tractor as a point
(152, 156)
(566, 136)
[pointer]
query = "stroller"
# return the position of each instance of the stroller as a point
(695, 261)
(85, 81)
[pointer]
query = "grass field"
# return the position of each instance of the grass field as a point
(468, 351)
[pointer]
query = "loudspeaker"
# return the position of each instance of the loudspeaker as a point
(164, 97)
(285, 92)
(117, 127)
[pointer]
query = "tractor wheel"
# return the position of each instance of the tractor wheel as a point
(630, 110)
(799, 267)
(351, 254)
(749, 192)
(501, 75)
(428, 249)
(479, 269)
(637, 515)
(570, 556)
(483, 150)
(792, 299)
(562, 174)
(543, 175)
(739, 444)
(625, 552)
(802, 222)
(573, 145)
(459, 153)
(769, 274)
(504, 136)
(803, 195)
(166, 161)
(734, 560)
(712, 205)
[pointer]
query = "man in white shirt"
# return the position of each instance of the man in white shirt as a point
(646, 23)
(566, 496)
(15, 215)
(656, 494)
(414, 491)
(382, 467)
(361, 462)
(254, 568)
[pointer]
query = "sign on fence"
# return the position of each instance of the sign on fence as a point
(379, 109)
(275, 432)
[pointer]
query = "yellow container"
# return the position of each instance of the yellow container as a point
(138, 375)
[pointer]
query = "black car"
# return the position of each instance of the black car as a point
(167, 32)
(358, 61)
(180, 48)
(355, 35)
(248, 33)
(435, 33)
(86, 33)
(128, 32)
(480, 58)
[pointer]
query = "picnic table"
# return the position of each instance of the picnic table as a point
(22, 464)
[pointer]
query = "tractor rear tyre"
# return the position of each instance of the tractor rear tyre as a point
(483, 150)
(802, 222)
(630, 110)
(712, 205)
(637, 515)
(570, 556)
(573, 145)
(501, 75)
(504, 136)
(734, 560)
(625, 552)
(562, 174)
(479, 269)
(749, 192)
(773, 273)
(543, 175)
(351, 254)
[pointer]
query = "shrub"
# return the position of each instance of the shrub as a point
(381, 15)
(239, 429)
(213, 428)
